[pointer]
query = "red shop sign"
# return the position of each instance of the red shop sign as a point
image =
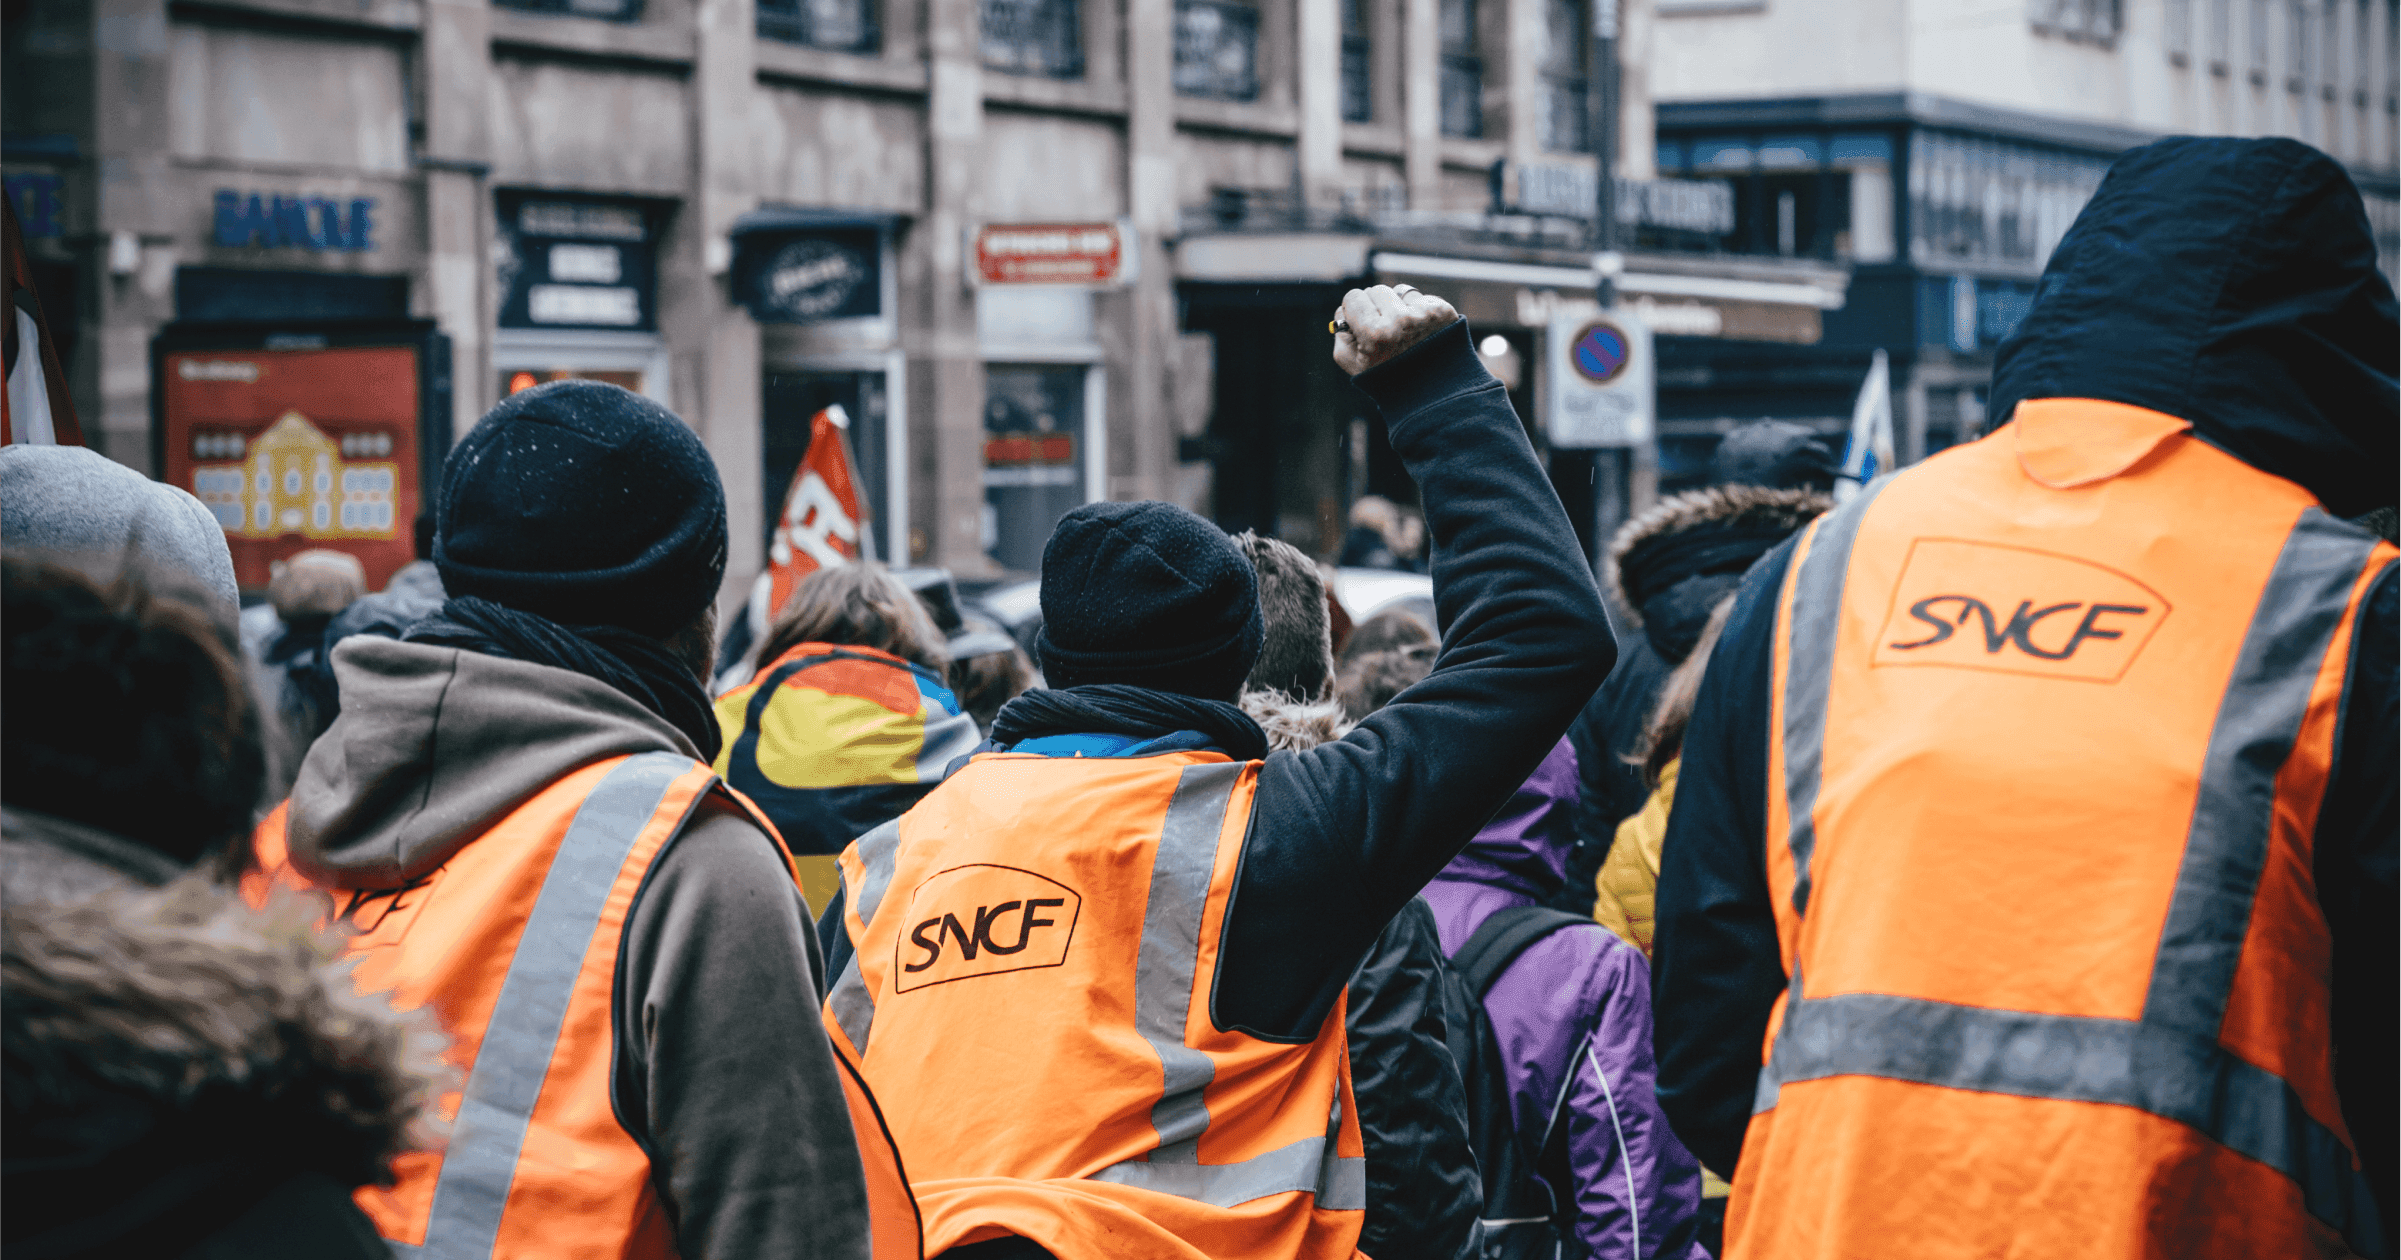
(1052, 253)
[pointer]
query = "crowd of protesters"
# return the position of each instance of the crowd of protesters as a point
(1997, 858)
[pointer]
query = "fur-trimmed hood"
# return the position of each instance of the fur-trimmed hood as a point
(1294, 725)
(171, 1056)
(1669, 566)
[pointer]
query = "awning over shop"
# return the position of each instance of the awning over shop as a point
(1678, 297)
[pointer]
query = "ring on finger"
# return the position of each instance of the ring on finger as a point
(1338, 325)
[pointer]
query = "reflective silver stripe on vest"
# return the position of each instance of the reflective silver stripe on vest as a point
(2307, 595)
(2165, 1072)
(853, 1006)
(1809, 674)
(2169, 1063)
(1181, 868)
(514, 1057)
(1165, 973)
(1338, 1182)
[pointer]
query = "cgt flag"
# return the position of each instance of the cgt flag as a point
(823, 521)
(823, 524)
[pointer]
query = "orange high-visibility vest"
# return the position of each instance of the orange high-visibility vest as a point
(513, 942)
(2054, 713)
(1037, 942)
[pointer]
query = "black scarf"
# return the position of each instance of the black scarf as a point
(1117, 709)
(631, 662)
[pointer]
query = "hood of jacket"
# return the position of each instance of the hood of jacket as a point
(1524, 848)
(435, 745)
(1671, 565)
(1294, 725)
(2231, 283)
(89, 510)
(170, 1051)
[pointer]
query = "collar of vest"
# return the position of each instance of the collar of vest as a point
(2068, 442)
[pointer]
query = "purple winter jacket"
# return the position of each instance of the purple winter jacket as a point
(1572, 1016)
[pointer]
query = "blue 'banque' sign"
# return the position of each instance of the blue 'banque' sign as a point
(280, 222)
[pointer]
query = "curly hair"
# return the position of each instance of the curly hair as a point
(123, 706)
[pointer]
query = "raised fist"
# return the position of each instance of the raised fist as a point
(1375, 324)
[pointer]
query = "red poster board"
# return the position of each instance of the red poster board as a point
(294, 449)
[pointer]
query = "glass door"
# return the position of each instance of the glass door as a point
(1033, 456)
(791, 399)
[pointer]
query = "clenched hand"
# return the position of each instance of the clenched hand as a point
(1374, 325)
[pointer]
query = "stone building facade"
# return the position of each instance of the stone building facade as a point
(749, 209)
(1940, 148)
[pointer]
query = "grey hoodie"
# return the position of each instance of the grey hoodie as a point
(722, 1071)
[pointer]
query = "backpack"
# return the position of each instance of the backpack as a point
(1527, 1215)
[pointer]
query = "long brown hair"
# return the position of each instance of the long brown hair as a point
(1663, 739)
(857, 605)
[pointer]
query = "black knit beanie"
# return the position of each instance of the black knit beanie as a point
(1149, 595)
(587, 504)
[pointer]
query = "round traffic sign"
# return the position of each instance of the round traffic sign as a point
(1600, 353)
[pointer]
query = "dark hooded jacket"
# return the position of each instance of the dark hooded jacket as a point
(1667, 570)
(2229, 282)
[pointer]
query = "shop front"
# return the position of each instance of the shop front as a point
(577, 286)
(822, 285)
(292, 392)
(1045, 434)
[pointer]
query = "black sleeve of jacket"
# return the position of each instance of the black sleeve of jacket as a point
(1345, 833)
(2356, 842)
(722, 1070)
(1715, 966)
(1423, 1192)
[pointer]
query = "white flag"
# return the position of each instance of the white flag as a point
(1869, 452)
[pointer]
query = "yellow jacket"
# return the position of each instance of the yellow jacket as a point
(1629, 879)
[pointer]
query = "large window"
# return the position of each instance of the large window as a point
(1217, 49)
(1039, 37)
(1565, 114)
(2094, 20)
(1358, 82)
(1462, 70)
(839, 25)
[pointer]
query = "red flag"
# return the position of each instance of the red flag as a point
(824, 521)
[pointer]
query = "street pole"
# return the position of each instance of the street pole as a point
(1611, 469)
(1600, 99)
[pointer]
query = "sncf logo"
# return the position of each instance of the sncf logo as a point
(981, 921)
(1974, 605)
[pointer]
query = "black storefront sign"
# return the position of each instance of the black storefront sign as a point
(805, 266)
(580, 262)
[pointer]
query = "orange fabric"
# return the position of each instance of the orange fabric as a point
(1930, 1173)
(1010, 1083)
(271, 862)
(582, 1185)
(2067, 442)
(1968, 768)
(892, 1209)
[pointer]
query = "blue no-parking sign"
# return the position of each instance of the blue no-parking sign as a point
(1599, 389)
